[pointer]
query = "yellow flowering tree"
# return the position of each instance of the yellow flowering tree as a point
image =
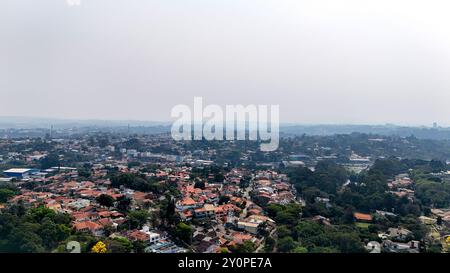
(99, 247)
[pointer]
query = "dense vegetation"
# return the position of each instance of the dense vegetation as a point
(35, 230)
(348, 193)
(135, 182)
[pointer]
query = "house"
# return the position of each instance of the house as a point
(164, 246)
(137, 235)
(54, 206)
(186, 215)
(444, 214)
(88, 226)
(254, 223)
(399, 233)
(385, 213)
(427, 220)
(237, 201)
(262, 198)
(80, 216)
(321, 220)
(79, 204)
(220, 212)
(260, 219)
(142, 199)
(200, 213)
(238, 238)
(325, 201)
(104, 222)
(154, 237)
(224, 210)
(250, 227)
(402, 192)
(187, 203)
(209, 210)
(206, 246)
(394, 247)
(362, 217)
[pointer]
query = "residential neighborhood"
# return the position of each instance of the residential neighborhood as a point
(147, 193)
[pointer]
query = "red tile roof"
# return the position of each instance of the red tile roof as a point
(362, 216)
(87, 225)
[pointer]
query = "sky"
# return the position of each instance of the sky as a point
(327, 62)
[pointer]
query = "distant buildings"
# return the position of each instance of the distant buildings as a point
(19, 172)
(294, 163)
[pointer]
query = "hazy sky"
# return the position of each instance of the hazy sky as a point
(336, 61)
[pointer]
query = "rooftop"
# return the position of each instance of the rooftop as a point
(17, 170)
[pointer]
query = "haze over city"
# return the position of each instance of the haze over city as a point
(197, 128)
(324, 62)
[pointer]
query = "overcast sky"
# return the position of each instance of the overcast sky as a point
(336, 61)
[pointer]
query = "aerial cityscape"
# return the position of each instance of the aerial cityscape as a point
(127, 192)
(212, 135)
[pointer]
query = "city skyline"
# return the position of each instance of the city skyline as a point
(56, 120)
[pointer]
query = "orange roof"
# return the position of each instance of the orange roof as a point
(254, 212)
(115, 196)
(219, 210)
(140, 195)
(105, 221)
(187, 213)
(139, 235)
(240, 237)
(116, 214)
(188, 201)
(236, 199)
(80, 215)
(87, 225)
(104, 213)
(362, 216)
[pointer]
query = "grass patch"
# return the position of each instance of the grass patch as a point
(362, 225)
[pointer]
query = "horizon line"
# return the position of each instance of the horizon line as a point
(162, 122)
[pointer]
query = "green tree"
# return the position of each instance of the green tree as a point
(51, 160)
(300, 249)
(269, 244)
(286, 244)
(347, 242)
(138, 246)
(84, 172)
(5, 194)
(283, 231)
(119, 245)
(184, 232)
(199, 185)
(123, 204)
(105, 200)
(246, 247)
(137, 218)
